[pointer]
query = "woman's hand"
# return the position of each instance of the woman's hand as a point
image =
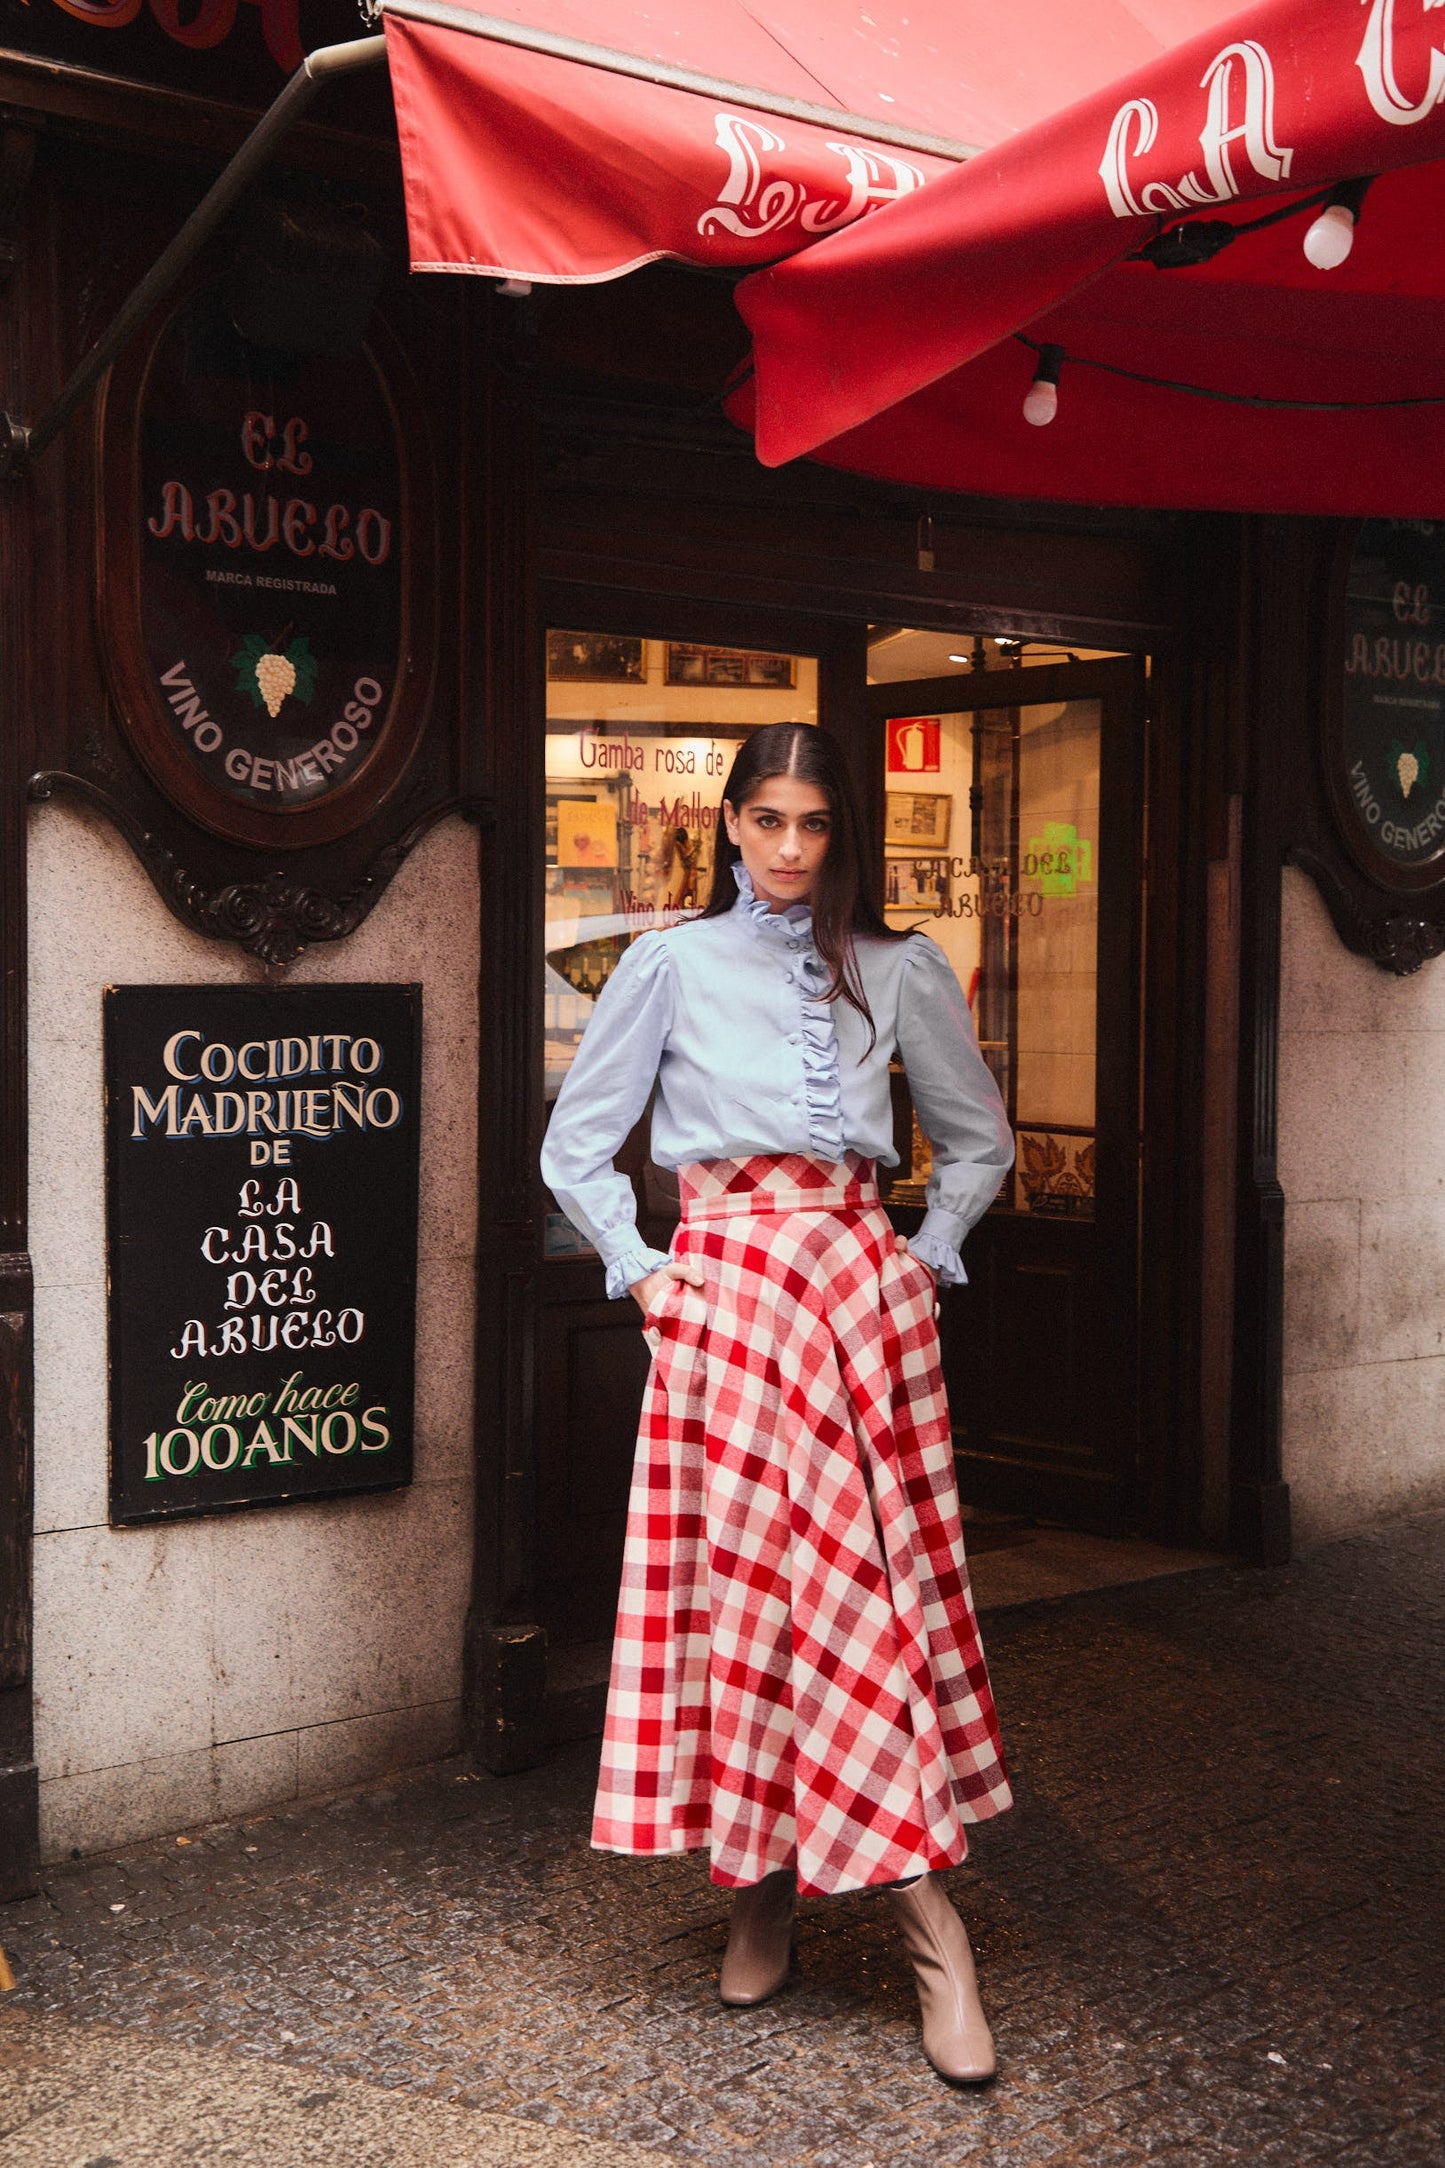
(900, 1243)
(646, 1292)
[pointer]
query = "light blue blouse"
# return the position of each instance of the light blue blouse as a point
(725, 1017)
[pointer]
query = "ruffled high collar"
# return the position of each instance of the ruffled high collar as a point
(797, 918)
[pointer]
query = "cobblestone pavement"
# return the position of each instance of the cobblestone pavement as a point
(76, 2095)
(1211, 1932)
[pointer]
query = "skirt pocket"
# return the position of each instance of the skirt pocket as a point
(913, 1282)
(656, 1310)
(662, 1316)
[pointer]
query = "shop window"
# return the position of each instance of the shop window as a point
(641, 734)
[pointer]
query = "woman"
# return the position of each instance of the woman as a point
(797, 1681)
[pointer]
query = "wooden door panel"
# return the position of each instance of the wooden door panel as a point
(594, 1367)
(1022, 1355)
(1018, 1348)
(606, 1372)
(1035, 1354)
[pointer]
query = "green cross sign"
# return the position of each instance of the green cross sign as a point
(1061, 859)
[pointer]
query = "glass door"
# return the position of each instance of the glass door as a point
(1013, 837)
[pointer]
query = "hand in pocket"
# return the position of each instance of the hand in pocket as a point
(649, 1293)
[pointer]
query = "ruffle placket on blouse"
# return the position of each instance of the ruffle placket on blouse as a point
(822, 1082)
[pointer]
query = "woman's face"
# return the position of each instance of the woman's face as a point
(783, 832)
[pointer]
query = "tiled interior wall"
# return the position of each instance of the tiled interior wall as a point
(207, 1668)
(1362, 1164)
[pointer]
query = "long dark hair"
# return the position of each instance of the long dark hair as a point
(842, 901)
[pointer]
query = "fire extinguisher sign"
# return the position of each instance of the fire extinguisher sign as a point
(913, 745)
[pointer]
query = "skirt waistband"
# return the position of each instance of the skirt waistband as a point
(775, 1183)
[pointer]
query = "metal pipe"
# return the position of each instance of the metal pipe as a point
(494, 28)
(19, 443)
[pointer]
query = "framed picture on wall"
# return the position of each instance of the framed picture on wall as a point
(691, 664)
(917, 820)
(915, 884)
(596, 658)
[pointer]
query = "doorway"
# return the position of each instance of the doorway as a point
(1031, 885)
(1013, 835)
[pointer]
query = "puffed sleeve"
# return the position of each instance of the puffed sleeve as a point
(958, 1103)
(602, 1096)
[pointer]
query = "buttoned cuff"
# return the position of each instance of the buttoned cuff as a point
(936, 1245)
(635, 1263)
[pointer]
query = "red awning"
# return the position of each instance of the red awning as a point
(519, 164)
(906, 348)
(903, 345)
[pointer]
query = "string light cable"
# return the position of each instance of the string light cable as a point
(1193, 241)
(1327, 241)
(1053, 357)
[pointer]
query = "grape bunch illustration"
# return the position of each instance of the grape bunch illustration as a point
(272, 672)
(1411, 766)
(276, 676)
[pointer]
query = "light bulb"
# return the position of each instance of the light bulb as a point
(1041, 402)
(1329, 240)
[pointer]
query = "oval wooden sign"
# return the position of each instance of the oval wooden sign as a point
(1384, 745)
(265, 561)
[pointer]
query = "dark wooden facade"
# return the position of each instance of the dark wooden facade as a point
(573, 487)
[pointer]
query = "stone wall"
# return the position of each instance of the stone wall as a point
(1362, 1164)
(206, 1668)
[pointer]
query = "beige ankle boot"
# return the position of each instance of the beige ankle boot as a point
(956, 2038)
(760, 1940)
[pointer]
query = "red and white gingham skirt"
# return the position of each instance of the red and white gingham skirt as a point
(797, 1679)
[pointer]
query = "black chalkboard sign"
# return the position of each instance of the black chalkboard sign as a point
(261, 1166)
(1385, 742)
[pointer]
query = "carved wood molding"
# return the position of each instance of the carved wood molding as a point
(1398, 940)
(275, 917)
(17, 164)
